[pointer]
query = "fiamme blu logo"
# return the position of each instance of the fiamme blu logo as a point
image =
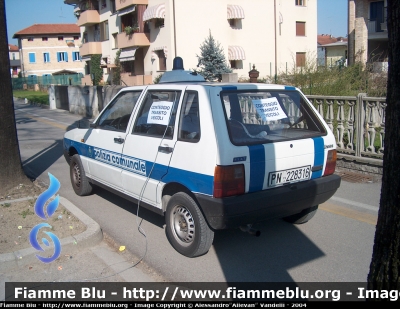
(45, 213)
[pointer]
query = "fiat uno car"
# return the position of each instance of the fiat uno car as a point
(208, 156)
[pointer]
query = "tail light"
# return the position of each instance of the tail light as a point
(330, 162)
(229, 180)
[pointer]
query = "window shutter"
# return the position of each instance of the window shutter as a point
(58, 57)
(32, 58)
(66, 57)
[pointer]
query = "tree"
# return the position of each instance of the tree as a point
(95, 69)
(12, 173)
(384, 272)
(117, 70)
(212, 61)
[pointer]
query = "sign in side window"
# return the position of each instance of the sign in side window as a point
(62, 56)
(32, 58)
(117, 114)
(157, 113)
(160, 112)
(189, 119)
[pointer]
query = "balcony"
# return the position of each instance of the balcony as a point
(89, 17)
(90, 48)
(135, 39)
(121, 4)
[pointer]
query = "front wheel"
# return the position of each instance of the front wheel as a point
(302, 217)
(186, 227)
(80, 183)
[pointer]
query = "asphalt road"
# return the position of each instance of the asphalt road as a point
(335, 246)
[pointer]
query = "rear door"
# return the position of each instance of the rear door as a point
(150, 142)
(277, 135)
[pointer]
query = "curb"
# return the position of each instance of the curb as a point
(90, 237)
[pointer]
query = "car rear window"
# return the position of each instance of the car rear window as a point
(269, 116)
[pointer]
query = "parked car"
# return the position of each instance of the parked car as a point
(208, 156)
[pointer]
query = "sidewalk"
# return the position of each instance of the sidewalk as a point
(86, 257)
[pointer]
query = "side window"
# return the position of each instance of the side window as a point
(189, 120)
(117, 114)
(157, 114)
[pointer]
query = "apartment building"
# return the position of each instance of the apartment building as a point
(49, 49)
(15, 63)
(368, 37)
(274, 35)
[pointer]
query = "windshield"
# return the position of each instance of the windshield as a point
(269, 116)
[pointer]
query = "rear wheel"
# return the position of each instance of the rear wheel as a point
(80, 183)
(302, 217)
(186, 227)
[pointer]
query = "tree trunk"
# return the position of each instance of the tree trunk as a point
(384, 270)
(12, 173)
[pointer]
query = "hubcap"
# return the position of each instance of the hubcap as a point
(76, 175)
(183, 224)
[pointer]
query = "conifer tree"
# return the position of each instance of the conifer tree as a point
(212, 62)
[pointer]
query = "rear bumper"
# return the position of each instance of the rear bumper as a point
(279, 202)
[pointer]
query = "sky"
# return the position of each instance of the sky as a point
(20, 14)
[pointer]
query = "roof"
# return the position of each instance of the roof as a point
(323, 39)
(12, 47)
(37, 29)
(335, 44)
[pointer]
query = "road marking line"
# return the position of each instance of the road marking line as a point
(349, 213)
(352, 203)
(50, 122)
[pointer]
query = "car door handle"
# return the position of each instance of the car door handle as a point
(165, 149)
(118, 140)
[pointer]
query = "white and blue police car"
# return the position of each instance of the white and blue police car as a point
(208, 156)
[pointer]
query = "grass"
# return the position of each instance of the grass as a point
(33, 96)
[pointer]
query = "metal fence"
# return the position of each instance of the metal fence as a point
(358, 123)
(31, 81)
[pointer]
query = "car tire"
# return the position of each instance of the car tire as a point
(302, 217)
(186, 227)
(80, 183)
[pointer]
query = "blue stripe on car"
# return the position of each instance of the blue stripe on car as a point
(195, 182)
(319, 156)
(257, 167)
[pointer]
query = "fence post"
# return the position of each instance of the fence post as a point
(360, 118)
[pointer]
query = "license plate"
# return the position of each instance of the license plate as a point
(289, 176)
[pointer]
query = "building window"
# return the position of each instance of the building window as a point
(112, 6)
(159, 22)
(45, 38)
(62, 57)
(13, 56)
(46, 79)
(85, 37)
(300, 28)
(30, 39)
(61, 38)
(162, 61)
(32, 79)
(103, 4)
(32, 57)
(46, 57)
(300, 59)
(104, 31)
(76, 56)
(300, 2)
(115, 40)
(128, 67)
(76, 37)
